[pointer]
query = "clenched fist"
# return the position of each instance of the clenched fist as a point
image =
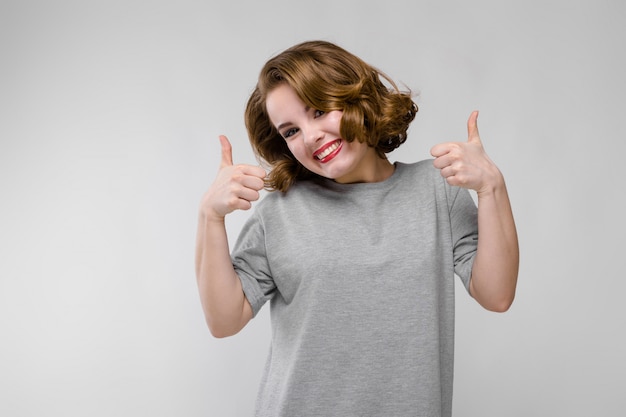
(466, 164)
(235, 187)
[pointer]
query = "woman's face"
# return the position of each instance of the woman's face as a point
(313, 138)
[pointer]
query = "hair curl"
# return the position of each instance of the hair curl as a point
(326, 77)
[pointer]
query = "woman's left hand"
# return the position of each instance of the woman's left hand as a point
(466, 164)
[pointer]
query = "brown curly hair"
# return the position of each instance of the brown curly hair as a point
(326, 77)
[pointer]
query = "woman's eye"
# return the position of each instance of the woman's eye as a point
(318, 113)
(290, 132)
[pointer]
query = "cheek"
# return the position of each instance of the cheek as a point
(296, 150)
(337, 115)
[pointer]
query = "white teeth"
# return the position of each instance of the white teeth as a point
(327, 151)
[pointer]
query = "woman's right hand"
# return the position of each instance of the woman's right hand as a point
(235, 187)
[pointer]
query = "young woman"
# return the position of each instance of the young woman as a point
(357, 255)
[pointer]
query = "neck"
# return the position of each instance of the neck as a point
(378, 170)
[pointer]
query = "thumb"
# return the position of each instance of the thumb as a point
(472, 128)
(227, 152)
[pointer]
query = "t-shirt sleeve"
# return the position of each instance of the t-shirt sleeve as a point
(251, 265)
(464, 223)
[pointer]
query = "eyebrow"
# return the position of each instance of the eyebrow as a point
(282, 125)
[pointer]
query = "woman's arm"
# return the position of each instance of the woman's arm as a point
(225, 306)
(494, 274)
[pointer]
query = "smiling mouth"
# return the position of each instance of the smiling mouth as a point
(328, 152)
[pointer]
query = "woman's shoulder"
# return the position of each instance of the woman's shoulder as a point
(273, 199)
(422, 169)
(420, 174)
(423, 177)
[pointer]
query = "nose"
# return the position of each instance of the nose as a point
(313, 134)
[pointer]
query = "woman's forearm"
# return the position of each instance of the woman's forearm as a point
(225, 306)
(494, 274)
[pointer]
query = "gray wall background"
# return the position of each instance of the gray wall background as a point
(109, 117)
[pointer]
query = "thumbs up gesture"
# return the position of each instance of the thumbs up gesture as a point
(235, 187)
(465, 164)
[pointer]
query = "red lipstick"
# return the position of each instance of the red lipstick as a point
(328, 151)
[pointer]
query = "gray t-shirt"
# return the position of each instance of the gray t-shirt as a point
(361, 283)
